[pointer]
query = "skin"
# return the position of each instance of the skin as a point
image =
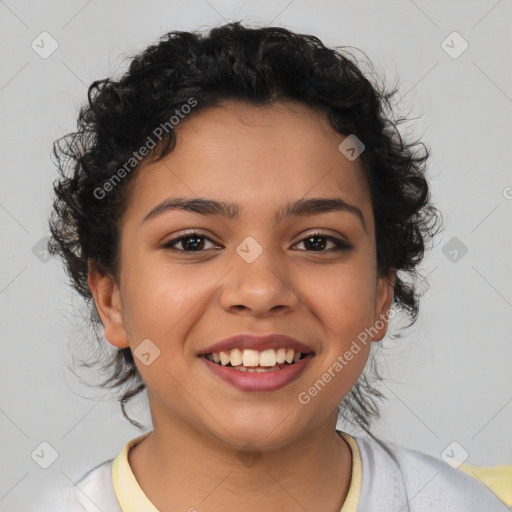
(261, 158)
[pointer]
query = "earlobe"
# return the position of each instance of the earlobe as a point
(385, 294)
(105, 292)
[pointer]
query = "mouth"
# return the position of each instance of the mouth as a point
(254, 361)
(257, 372)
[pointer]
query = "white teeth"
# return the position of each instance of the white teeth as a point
(235, 357)
(251, 359)
(224, 358)
(268, 357)
(255, 370)
(280, 355)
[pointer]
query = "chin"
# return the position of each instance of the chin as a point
(265, 435)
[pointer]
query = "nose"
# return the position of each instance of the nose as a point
(259, 288)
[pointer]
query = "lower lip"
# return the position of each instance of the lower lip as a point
(264, 381)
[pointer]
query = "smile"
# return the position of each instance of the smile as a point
(264, 360)
(252, 370)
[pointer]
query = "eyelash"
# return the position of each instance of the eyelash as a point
(339, 245)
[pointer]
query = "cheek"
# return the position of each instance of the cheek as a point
(344, 303)
(159, 303)
(157, 299)
(162, 297)
(343, 297)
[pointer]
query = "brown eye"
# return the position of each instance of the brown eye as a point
(318, 241)
(191, 242)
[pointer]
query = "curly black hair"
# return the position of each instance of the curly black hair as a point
(190, 71)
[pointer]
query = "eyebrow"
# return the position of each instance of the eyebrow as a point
(300, 208)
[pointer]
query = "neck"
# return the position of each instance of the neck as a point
(180, 468)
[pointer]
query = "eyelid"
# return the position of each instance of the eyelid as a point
(339, 241)
(188, 233)
(324, 233)
(312, 232)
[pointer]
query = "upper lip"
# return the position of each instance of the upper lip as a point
(257, 342)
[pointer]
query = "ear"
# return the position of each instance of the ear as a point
(383, 303)
(107, 298)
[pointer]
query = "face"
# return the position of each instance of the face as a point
(247, 273)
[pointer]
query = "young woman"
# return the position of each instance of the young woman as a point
(242, 215)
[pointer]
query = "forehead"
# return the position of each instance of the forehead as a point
(256, 156)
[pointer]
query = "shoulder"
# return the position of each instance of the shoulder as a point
(420, 482)
(498, 478)
(94, 490)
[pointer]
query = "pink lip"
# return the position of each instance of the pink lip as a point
(269, 381)
(256, 342)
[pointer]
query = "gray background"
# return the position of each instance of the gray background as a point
(448, 380)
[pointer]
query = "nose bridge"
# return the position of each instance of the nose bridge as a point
(258, 280)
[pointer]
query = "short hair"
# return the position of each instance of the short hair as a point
(258, 66)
